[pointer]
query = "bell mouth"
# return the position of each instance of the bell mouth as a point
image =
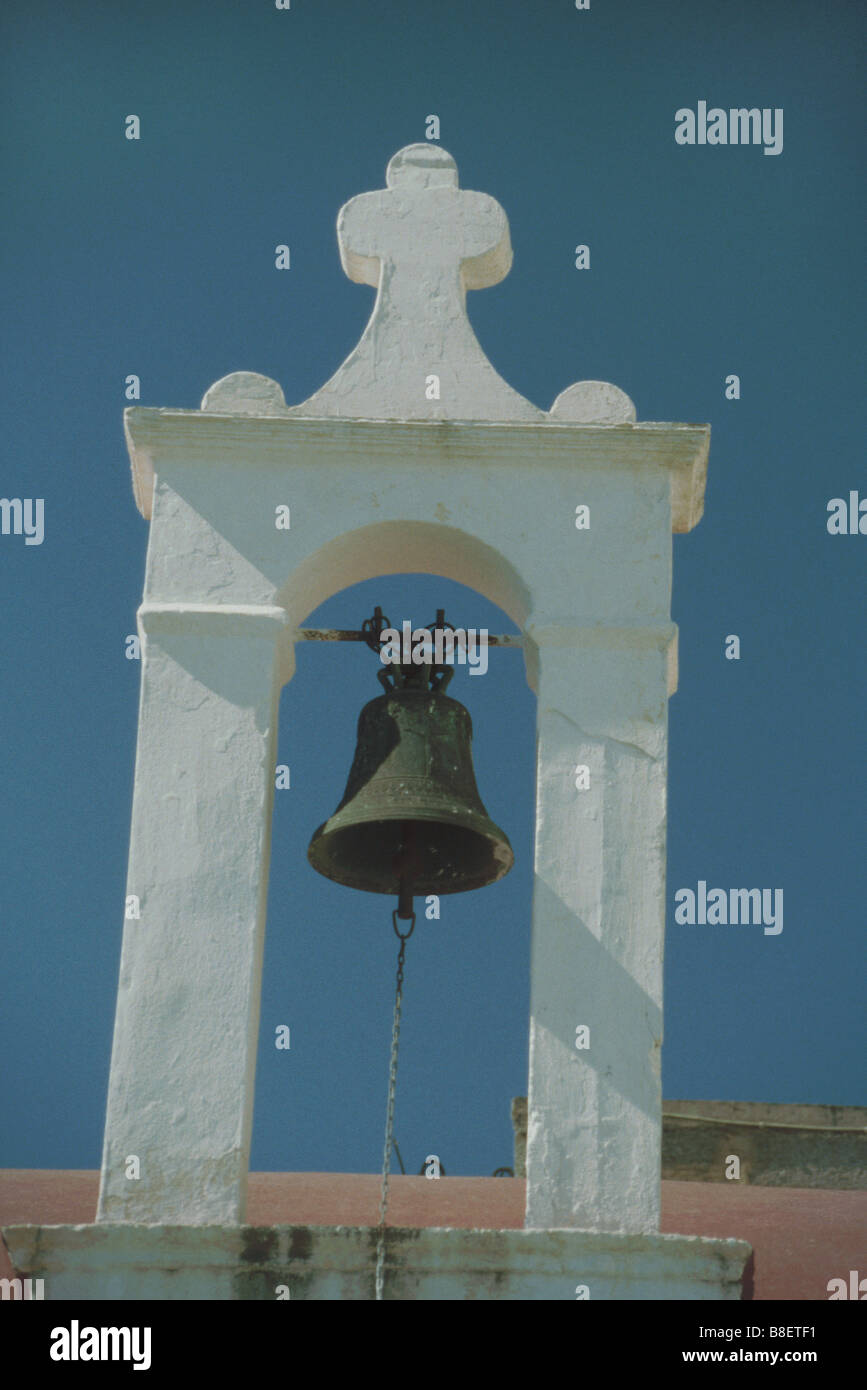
(451, 857)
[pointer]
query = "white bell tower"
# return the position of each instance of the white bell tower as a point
(415, 455)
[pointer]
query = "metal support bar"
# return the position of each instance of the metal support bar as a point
(341, 634)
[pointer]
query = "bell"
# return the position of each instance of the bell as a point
(411, 820)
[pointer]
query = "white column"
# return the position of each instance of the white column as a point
(594, 1114)
(182, 1069)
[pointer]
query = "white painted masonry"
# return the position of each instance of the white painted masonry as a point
(336, 1263)
(479, 486)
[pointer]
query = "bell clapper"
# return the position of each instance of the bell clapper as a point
(406, 864)
(404, 900)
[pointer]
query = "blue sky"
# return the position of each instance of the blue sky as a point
(156, 257)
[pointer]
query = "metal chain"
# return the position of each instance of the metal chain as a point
(389, 1113)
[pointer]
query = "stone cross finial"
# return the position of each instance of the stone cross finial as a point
(422, 242)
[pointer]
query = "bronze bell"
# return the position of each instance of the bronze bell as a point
(411, 820)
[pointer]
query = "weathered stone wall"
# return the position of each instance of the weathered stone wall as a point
(822, 1146)
(337, 1263)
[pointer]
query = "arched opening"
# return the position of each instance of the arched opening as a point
(401, 548)
(330, 952)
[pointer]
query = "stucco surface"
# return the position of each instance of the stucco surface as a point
(337, 1263)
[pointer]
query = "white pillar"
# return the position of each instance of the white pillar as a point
(186, 1030)
(594, 1111)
